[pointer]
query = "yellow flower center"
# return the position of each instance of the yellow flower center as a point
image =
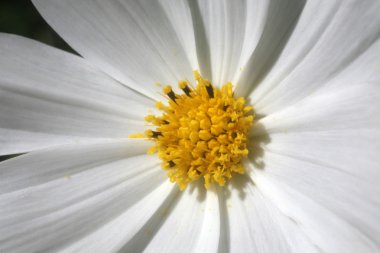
(201, 133)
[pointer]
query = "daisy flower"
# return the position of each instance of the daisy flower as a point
(261, 120)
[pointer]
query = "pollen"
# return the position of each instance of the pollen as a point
(201, 134)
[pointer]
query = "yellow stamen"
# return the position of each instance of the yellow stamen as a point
(200, 134)
(136, 135)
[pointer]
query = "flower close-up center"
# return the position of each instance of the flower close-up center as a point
(201, 133)
(186, 126)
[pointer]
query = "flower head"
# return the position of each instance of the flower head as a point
(298, 174)
(201, 134)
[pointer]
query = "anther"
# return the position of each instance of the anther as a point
(185, 88)
(171, 164)
(187, 91)
(210, 90)
(156, 134)
(153, 134)
(168, 91)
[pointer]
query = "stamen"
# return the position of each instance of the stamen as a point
(210, 90)
(168, 91)
(203, 135)
(153, 134)
(185, 88)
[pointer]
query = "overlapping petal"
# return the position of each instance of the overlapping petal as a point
(192, 225)
(132, 41)
(49, 97)
(327, 229)
(329, 39)
(220, 32)
(311, 69)
(320, 166)
(51, 199)
(256, 223)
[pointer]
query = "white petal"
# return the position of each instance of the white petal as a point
(256, 16)
(256, 224)
(49, 97)
(331, 39)
(133, 41)
(351, 197)
(340, 129)
(220, 30)
(353, 107)
(320, 166)
(179, 14)
(209, 238)
(266, 35)
(69, 192)
(327, 229)
(52, 164)
(116, 235)
(192, 224)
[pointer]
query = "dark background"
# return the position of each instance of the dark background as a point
(21, 17)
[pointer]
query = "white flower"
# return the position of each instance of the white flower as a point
(311, 69)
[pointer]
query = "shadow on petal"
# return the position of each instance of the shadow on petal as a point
(282, 18)
(256, 153)
(256, 145)
(142, 238)
(202, 44)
